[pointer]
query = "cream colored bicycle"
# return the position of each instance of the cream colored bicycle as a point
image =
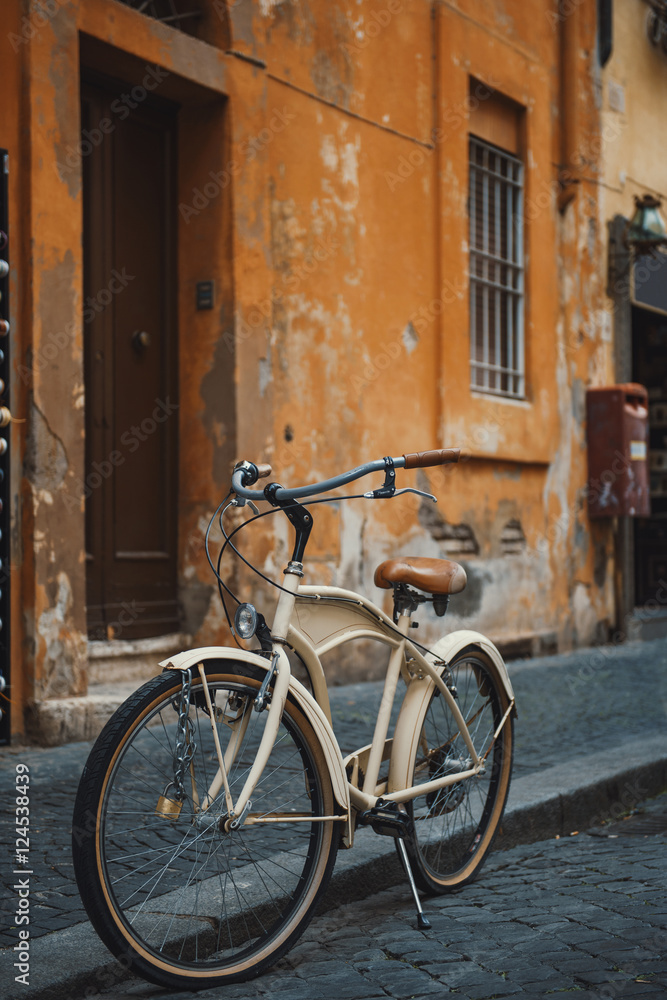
(214, 802)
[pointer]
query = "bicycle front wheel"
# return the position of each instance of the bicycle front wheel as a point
(454, 827)
(183, 902)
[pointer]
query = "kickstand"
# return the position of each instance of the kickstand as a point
(422, 922)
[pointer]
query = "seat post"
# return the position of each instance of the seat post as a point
(405, 600)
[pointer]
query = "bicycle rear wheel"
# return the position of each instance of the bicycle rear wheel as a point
(454, 827)
(185, 904)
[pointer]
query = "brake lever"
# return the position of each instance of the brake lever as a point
(241, 502)
(388, 488)
(420, 493)
(375, 495)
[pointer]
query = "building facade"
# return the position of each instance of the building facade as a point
(309, 233)
(633, 94)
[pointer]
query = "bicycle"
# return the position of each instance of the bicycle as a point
(213, 804)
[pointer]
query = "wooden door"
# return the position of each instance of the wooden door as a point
(130, 365)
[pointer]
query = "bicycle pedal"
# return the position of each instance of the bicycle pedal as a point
(387, 819)
(168, 808)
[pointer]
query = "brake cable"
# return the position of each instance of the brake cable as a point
(219, 514)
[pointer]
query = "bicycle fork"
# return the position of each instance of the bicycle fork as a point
(236, 811)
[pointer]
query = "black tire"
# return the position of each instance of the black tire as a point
(187, 906)
(454, 827)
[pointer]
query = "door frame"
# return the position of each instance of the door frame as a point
(125, 624)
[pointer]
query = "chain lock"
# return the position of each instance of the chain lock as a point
(185, 744)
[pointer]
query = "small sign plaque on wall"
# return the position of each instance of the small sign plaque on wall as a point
(205, 294)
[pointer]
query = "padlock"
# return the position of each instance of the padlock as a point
(168, 808)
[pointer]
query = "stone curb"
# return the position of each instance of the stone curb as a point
(560, 800)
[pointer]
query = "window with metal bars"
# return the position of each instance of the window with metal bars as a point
(172, 12)
(496, 271)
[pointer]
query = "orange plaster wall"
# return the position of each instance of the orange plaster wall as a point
(381, 221)
(350, 272)
(339, 246)
(13, 111)
(55, 458)
(50, 623)
(336, 52)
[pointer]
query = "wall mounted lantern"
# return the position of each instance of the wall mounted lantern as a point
(646, 232)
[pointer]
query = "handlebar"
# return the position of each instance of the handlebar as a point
(248, 473)
(424, 459)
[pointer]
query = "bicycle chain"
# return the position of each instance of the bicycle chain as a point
(185, 744)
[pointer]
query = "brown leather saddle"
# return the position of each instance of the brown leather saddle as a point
(434, 576)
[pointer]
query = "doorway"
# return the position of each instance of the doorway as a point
(649, 345)
(128, 157)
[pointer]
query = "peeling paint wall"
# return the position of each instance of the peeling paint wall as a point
(322, 185)
(53, 361)
(369, 341)
(632, 91)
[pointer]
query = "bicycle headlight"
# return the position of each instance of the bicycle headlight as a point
(245, 621)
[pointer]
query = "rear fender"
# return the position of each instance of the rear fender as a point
(192, 657)
(447, 648)
(418, 696)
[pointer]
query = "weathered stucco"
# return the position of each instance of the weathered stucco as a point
(322, 184)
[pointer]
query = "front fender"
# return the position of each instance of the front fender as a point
(191, 657)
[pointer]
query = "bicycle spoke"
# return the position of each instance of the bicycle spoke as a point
(450, 822)
(180, 883)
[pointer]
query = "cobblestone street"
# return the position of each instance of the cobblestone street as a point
(584, 915)
(568, 705)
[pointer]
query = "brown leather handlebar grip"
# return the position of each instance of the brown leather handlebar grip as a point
(423, 459)
(264, 471)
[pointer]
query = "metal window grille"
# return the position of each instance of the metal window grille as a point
(496, 271)
(168, 11)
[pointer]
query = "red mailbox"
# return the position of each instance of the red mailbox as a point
(617, 435)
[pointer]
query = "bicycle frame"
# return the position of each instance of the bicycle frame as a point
(235, 741)
(314, 621)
